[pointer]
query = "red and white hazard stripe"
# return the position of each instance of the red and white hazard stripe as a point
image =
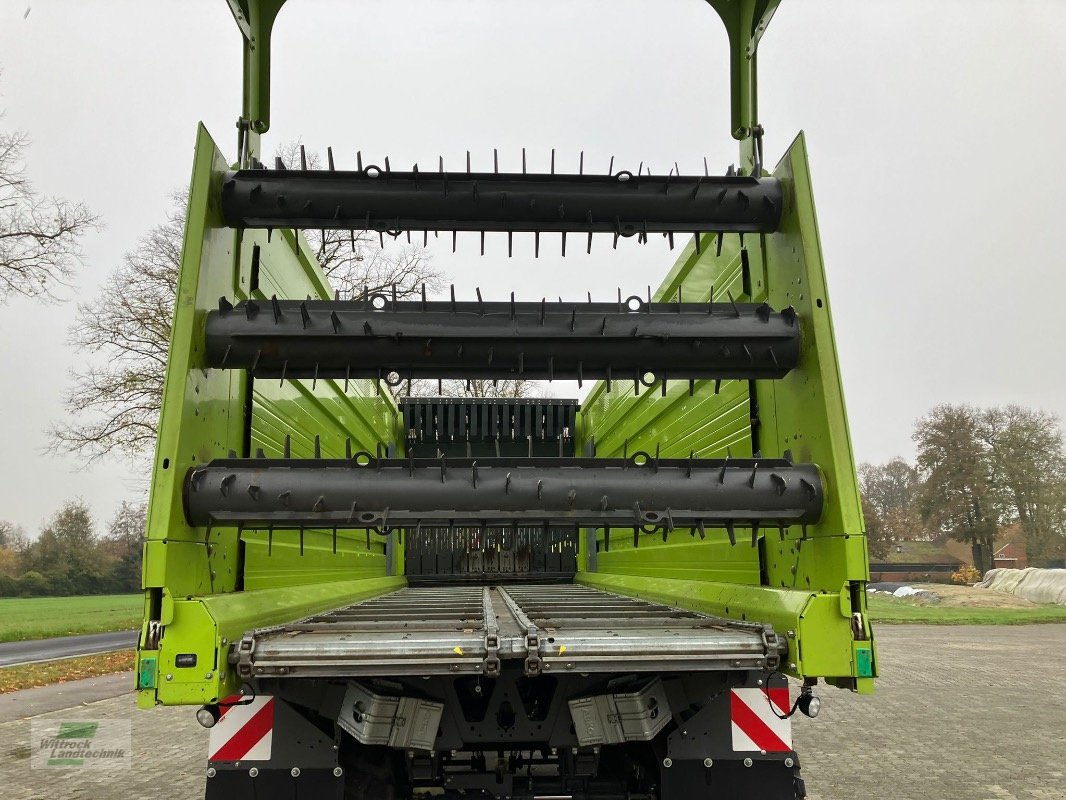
(755, 725)
(244, 732)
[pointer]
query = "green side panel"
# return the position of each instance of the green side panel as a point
(277, 559)
(207, 587)
(207, 626)
(826, 563)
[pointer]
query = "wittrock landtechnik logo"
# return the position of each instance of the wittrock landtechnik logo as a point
(80, 743)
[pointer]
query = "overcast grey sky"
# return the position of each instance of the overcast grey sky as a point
(934, 132)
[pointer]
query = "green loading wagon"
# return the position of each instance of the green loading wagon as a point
(370, 598)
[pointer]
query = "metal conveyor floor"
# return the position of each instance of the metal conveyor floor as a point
(467, 630)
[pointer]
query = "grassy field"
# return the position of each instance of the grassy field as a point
(44, 617)
(901, 609)
(68, 669)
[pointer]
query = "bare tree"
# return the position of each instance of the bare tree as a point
(114, 399)
(958, 493)
(1029, 471)
(461, 388)
(890, 494)
(40, 237)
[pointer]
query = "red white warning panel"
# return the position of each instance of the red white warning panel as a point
(244, 731)
(755, 725)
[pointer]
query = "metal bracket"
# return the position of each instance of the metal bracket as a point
(492, 635)
(242, 656)
(533, 664)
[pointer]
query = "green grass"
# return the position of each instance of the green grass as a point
(890, 610)
(44, 617)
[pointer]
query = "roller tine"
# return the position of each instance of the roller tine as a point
(580, 376)
(455, 237)
(224, 306)
(468, 161)
(751, 478)
(581, 163)
(408, 236)
(736, 310)
(318, 446)
(701, 530)
(510, 244)
(483, 243)
(573, 318)
(610, 169)
(359, 160)
(755, 534)
(717, 385)
(303, 158)
(388, 168)
(731, 533)
(718, 246)
(287, 451)
(423, 297)
(523, 161)
(699, 244)
(440, 164)
(608, 379)
(348, 448)
(314, 379)
(564, 244)
(536, 244)
(255, 361)
(625, 450)
(451, 290)
(284, 369)
(347, 377)
(329, 159)
(495, 160)
(440, 387)
(425, 238)
(553, 162)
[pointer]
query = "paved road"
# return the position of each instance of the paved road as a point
(12, 653)
(961, 713)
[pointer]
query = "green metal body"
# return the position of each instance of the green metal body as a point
(205, 588)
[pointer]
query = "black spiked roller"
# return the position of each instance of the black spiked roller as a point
(637, 492)
(382, 200)
(539, 340)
